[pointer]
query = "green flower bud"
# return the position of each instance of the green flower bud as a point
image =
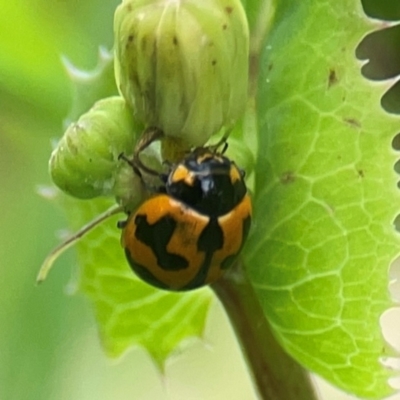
(183, 65)
(85, 162)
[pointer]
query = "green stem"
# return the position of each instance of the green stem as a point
(276, 375)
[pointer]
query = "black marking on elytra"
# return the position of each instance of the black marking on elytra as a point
(157, 236)
(144, 273)
(211, 239)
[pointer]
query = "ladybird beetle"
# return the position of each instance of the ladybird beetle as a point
(189, 233)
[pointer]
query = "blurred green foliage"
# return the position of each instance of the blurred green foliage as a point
(34, 97)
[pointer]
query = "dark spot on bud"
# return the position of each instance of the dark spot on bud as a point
(287, 177)
(129, 41)
(360, 173)
(224, 26)
(213, 62)
(157, 236)
(229, 10)
(129, 7)
(144, 43)
(270, 67)
(133, 77)
(332, 79)
(175, 40)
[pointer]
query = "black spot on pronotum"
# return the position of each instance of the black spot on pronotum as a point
(332, 78)
(396, 142)
(156, 236)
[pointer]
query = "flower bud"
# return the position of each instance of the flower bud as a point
(182, 65)
(85, 162)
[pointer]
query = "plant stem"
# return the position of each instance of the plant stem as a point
(276, 375)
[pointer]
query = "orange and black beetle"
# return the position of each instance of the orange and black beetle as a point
(189, 233)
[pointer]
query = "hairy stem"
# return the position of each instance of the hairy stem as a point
(276, 375)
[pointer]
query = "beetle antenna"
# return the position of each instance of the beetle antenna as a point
(57, 251)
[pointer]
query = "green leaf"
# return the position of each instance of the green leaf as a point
(325, 196)
(128, 311)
